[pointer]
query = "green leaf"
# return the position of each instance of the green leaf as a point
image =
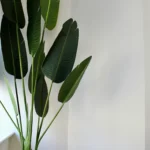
(10, 49)
(9, 11)
(72, 82)
(61, 57)
(50, 9)
(41, 97)
(34, 26)
(38, 61)
(13, 101)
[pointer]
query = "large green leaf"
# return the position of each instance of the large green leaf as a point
(50, 9)
(34, 26)
(61, 57)
(10, 49)
(38, 61)
(41, 97)
(12, 98)
(9, 11)
(72, 82)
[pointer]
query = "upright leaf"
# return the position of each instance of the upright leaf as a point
(41, 97)
(61, 57)
(34, 26)
(50, 9)
(8, 7)
(72, 82)
(10, 49)
(13, 101)
(38, 61)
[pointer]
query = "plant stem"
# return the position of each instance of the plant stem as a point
(17, 98)
(33, 91)
(45, 108)
(37, 135)
(18, 104)
(20, 120)
(16, 90)
(32, 104)
(21, 70)
(20, 134)
(51, 122)
(9, 116)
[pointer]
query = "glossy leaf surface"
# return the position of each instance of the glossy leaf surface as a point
(50, 9)
(61, 57)
(34, 26)
(38, 61)
(8, 7)
(10, 49)
(72, 82)
(41, 97)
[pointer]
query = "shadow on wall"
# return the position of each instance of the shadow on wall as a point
(113, 77)
(14, 143)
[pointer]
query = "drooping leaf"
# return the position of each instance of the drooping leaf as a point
(61, 57)
(10, 49)
(12, 98)
(38, 61)
(34, 26)
(8, 7)
(41, 96)
(72, 82)
(50, 9)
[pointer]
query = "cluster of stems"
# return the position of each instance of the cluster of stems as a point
(26, 139)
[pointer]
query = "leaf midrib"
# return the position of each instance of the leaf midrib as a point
(62, 51)
(48, 10)
(76, 82)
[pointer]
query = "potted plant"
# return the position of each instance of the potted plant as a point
(57, 65)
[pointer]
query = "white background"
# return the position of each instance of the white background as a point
(108, 110)
(147, 70)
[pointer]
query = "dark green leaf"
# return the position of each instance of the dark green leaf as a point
(41, 97)
(9, 11)
(38, 61)
(34, 26)
(10, 49)
(50, 9)
(61, 57)
(72, 82)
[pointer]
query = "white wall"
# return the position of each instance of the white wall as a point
(108, 111)
(147, 70)
(57, 136)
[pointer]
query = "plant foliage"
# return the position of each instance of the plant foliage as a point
(57, 65)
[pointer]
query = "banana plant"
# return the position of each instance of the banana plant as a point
(57, 65)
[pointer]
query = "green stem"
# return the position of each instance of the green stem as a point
(36, 76)
(18, 104)
(16, 90)
(20, 120)
(20, 134)
(44, 112)
(9, 116)
(51, 122)
(16, 125)
(21, 70)
(17, 98)
(37, 134)
(32, 104)
(33, 92)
